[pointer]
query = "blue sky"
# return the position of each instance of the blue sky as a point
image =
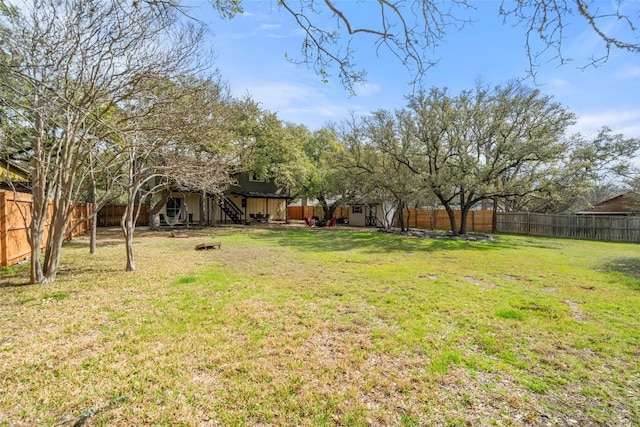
(250, 54)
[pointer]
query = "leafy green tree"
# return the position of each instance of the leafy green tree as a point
(328, 176)
(486, 144)
(273, 149)
(587, 173)
(633, 189)
(481, 144)
(393, 136)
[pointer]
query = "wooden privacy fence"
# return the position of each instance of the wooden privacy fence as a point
(301, 212)
(438, 219)
(110, 215)
(590, 227)
(15, 219)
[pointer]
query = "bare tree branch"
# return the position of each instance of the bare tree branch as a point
(411, 30)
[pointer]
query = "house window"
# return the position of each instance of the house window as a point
(254, 177)
(356, 209)
(173, 207)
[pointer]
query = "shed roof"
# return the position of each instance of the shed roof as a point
(622, 204)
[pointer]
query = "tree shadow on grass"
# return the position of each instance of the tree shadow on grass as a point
(15, 276)
(106, 237)
(112, 236)
(14, 284)
(628, 267)
(372, 241)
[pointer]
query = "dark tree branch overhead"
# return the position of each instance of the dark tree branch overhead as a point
(408, 29)
(411, 30)
(546, 21)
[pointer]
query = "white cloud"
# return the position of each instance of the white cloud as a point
(558, 83)
(269, 27)
(628, 73)
(300, 103)
(367, 89)
(274, 31)
(626, 122)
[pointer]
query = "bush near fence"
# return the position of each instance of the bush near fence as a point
(15, 219)
(438, 219)
(588, 227)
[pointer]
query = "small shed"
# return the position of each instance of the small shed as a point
(370, 214)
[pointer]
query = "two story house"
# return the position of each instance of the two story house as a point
(252, 199)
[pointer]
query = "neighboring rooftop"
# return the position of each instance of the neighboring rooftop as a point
(622, 204)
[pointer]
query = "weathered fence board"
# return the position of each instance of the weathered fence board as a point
(438, 219)
(590, 227)
(301, 212)
(110, 215)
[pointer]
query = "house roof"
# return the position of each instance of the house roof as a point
(259, 195)
(622, 204)
(13, 172)
(365, 202)
(20, 187)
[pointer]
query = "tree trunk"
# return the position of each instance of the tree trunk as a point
(128, 220)
(127, 223)
(36, 230)
(214, 213)
(494, 219)
(401, 216)
(450, 213)
(186, 212)
(154, 212)
(57, 234)
(408, 221)
(465, 207)
(452, 219)
(37, 240)
(154, 221)
(54, 249)
(464, 213)
(39, 204)
(203, 209)
(94, 216)
(325, 207)
(331, 211)
(328, 210)
(93, 242)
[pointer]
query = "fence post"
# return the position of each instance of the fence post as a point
(3, 229)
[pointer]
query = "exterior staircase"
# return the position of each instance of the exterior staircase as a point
(230, 209)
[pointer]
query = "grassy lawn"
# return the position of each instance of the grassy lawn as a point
(325, 327)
